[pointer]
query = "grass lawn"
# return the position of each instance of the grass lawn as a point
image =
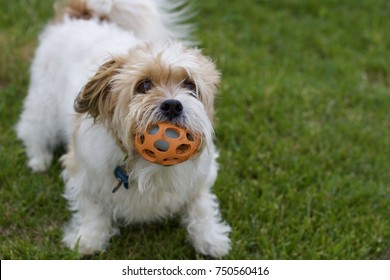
(302, 124)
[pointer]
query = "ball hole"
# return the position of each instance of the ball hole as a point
(183, 148)
(142, 139)
(161, 145)
(190, 137)
(150, 154)
(170, 161)
(153, 130)
(172, 133)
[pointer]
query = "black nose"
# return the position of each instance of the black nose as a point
(171, 108)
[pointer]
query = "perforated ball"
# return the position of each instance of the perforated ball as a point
(167, 144)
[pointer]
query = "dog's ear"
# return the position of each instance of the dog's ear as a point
(96, 96)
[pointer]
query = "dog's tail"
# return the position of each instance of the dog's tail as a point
(148, 19)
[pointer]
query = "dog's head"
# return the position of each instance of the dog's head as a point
(152, 83)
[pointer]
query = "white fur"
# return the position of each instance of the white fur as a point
(69, 53)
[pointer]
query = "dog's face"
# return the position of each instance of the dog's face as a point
(152, 83)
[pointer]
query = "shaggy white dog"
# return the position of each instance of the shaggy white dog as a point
(111, 62)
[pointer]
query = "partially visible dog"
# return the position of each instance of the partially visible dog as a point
(112, 63)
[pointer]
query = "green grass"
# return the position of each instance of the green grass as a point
(302, 124)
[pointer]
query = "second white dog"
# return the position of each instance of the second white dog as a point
(110, 61)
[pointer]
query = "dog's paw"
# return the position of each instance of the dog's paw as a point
(85, 245)
(213, 241)
(40, 163)
(88, 240)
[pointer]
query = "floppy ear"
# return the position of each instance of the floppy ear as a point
(95, 98)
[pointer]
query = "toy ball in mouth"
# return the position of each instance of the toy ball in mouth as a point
(167, 144)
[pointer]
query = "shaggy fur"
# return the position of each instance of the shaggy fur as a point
(112, 63)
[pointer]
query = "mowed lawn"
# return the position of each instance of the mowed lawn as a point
(303, 127)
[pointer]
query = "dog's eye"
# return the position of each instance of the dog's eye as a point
(190, 86)
(144, 86)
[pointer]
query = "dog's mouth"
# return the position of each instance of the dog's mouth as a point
(178, 121)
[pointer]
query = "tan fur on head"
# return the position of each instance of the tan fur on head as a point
(96, 98)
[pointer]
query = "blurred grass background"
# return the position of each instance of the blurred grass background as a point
(302, 124)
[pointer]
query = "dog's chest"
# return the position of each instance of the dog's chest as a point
(133, 206)
(155, 196)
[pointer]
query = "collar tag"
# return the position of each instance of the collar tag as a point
(122, 178)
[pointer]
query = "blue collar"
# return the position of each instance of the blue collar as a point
(122, 178)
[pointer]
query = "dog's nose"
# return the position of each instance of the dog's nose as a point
(171, 108)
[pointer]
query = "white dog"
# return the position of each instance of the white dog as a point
(111, 62)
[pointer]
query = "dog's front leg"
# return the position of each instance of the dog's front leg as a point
(207, 232)
(90, 228)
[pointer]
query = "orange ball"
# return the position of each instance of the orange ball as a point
(166, 144)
